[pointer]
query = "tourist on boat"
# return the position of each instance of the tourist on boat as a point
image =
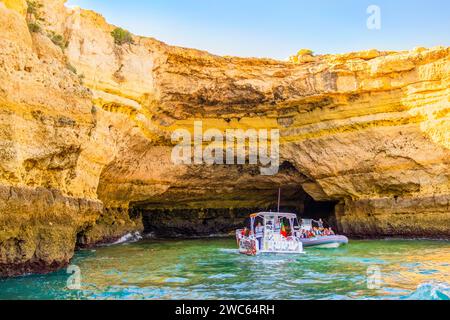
(288, 231)
(316, 231)
(278, 226)
(283, 230)
(259, 233)
(319, 223)
(303, 234)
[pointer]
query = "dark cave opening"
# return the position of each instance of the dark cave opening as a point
(203, 213)
(325, 210)
(208, 222)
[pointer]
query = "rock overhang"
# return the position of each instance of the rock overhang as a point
(368, 129)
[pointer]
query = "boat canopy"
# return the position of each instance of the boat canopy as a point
(274, 214)
(269, 217)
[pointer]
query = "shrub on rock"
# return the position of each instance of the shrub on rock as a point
(122, 36)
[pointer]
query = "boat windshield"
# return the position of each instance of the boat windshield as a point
(307, 224)
(274, 222)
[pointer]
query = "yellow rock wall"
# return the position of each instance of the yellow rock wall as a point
(85, 134)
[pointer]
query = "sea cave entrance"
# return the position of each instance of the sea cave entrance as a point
(163, 221)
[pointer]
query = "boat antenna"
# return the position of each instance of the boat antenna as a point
(279, 199)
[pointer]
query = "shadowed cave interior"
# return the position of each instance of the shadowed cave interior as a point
(204, 222)
(217, 200)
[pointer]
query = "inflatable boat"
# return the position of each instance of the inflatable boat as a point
(322, 241)
(325, 241)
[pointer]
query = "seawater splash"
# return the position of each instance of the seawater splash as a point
(431, 291)
(128, 238)
(212, 269)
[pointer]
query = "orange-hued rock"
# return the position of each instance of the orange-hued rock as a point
(20, 6)
(85, 129)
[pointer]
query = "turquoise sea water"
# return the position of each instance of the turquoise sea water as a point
(212, 269)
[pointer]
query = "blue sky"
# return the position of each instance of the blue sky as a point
(278, 28)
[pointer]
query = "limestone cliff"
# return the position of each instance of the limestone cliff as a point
(85, 129)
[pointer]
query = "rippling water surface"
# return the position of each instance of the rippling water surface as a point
(212, 269)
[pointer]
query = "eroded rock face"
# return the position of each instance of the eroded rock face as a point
(369, 130)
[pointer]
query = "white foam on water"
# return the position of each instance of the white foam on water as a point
(431, 291)
(176, 280)
(129, 237)
(222, 276)
(234, 251)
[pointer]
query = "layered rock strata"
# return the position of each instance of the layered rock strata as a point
(86, 124)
